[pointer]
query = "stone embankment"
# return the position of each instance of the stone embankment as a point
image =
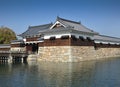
(75, 53)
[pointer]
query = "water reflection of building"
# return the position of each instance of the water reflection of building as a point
(66, 41)
(66, 74)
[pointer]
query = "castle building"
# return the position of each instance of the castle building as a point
(66, 41)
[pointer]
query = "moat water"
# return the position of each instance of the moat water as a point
(99, 73)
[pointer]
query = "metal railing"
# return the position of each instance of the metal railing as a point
(4, 51)
(13, 52)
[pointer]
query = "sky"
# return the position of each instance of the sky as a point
(102, 16)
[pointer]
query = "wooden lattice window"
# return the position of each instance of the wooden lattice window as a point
(81, 38)
(89, 39)
(52, 38)
(65, 37)
(73, 37)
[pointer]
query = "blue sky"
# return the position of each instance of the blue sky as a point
(102, 16)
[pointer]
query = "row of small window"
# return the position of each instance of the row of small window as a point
(62, 37)
(33, 36)
(72, 36)
(108, 44)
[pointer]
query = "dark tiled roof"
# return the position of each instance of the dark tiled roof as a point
(4, 45)
(58, 18)
(75, 25)
(106, 38)
(55, 30)
(62, 29)
(70, 26)
(35, 30)
(21, 41)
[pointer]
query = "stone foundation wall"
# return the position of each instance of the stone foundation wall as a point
(83, 53)
(75, 53)
(107, 52)
(55, 53)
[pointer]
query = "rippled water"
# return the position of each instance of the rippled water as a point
(102, 73)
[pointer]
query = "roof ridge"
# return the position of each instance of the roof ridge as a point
(40, 25)
(59, 18)
(109, 36)
(4, 44)
(89, 29)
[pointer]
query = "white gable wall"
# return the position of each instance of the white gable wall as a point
(83, 35)
(76, 35)
(56, 35)
(57, 22)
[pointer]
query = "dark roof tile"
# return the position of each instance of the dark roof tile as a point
(35, 30)
(106, 38)
(76, 25)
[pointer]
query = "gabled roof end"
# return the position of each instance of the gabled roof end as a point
(59, 18)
